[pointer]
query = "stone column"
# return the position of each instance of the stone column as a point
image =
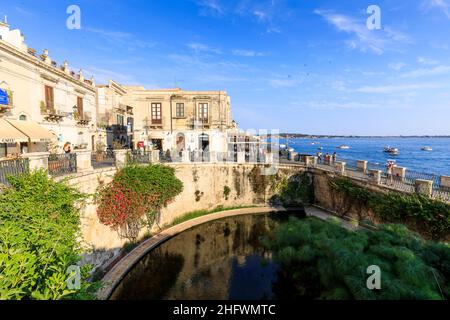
(241, 157)
(269, 157)
(375, 175)
(213, 157)
(185, 157)
(424, 187)
(121, 158)
(155, 156)
(340, 167)
(361, 165)
(84, 160)
(399, 173)
(445, 181)
(37, 160)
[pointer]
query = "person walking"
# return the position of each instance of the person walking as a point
(334, 157)
(390, 171)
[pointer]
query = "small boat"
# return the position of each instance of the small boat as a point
(344, 147)
(320, 148)
(427, 149)
(392, 151)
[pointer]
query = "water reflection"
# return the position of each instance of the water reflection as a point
(219, 260)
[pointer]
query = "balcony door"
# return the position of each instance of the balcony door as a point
(156, 113)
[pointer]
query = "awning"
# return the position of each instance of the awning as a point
(9, 134)
(33, 131)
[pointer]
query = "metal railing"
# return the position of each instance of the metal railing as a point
(62, 164)
(12, 167)
(139, 157)
(200, 156)
(103, 159)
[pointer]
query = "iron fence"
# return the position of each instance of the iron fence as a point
(103, 159)
(200, 156)
(12, 167)
(140, 157)
(62, 164)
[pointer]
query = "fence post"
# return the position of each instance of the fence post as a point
(37, 160)
(121, 158)
(445, 181)
(376, 176)
(361, 165)
(424, 187)
(84, 160)
(340, 166)
(399, 172)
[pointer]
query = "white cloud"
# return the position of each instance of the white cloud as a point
(200, 47)
(364, 39)
(389, 89)
(426, 61)
(442, 5)
(121, 38)
(247, 53)
(397, 66)
(211, 7)
(424, 72)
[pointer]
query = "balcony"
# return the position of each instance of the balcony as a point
(84, 119)
(199, 123)
(50, 113)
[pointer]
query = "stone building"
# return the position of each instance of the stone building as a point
(43, 96)
(175, 119)
(115, 119)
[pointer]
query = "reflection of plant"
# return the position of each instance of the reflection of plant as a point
(135, 196)
(100, 147)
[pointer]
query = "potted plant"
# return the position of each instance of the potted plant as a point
(99, 150)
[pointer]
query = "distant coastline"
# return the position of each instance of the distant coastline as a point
(310, 136)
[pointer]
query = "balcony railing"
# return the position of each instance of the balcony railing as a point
(12, 167)
(83, 119)
(49, 111)
(103, 159)
(62, 164)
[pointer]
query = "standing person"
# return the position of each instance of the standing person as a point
(334, 157)
(389, 171)
(67, 148)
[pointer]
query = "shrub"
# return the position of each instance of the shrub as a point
(321, 260)
(39, 232)
(135, 196)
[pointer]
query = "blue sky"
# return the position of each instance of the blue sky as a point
(309, 66)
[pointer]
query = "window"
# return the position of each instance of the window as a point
(203, 115)
(23, 117)
(156, 113)
(80, 106)
(120, 120)
(49, 97)
(180, 110)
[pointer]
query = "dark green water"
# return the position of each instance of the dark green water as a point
(222, 259)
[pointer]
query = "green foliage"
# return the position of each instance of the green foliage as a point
(430, 217)
(135, 197)
(296, 190)
(39, 233)
(199, 213)
(321, 260)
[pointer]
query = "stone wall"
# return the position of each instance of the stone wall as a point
(204, 186)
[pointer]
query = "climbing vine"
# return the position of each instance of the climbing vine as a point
(427, 215)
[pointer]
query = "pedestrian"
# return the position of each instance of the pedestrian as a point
(390, 171)
(334, 158)
(67, 148)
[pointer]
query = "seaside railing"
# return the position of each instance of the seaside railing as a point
(13, 167)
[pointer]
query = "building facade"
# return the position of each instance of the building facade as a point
(44, 93)
(177, 120)
(115, 119)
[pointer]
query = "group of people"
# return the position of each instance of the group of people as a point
(327, 158)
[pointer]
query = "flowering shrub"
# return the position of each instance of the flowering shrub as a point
(135, 196)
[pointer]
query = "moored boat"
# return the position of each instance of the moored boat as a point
(344, 147)
(427, 149)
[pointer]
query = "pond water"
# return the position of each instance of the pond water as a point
(223, 259)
